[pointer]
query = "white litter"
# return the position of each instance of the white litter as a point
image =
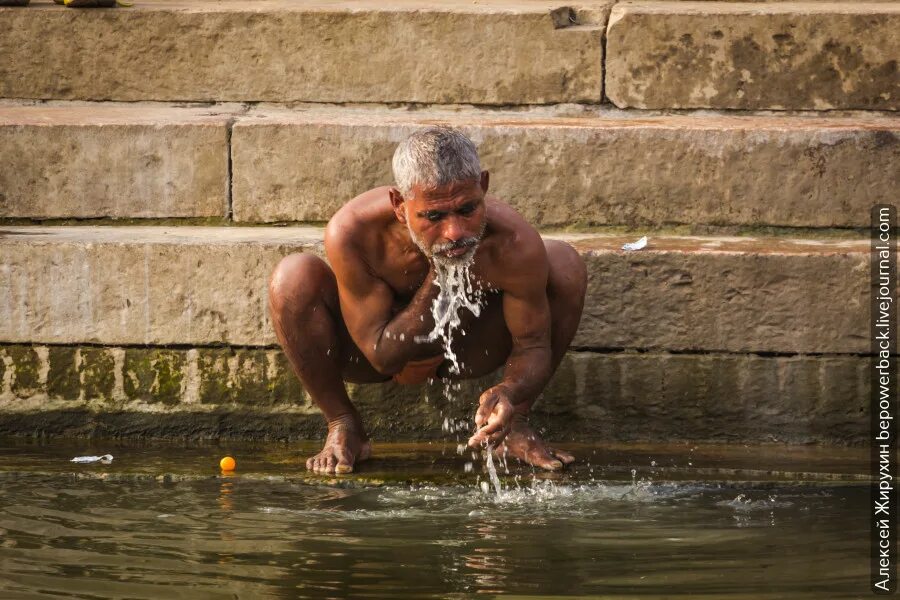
(105, 459)
(641, 243)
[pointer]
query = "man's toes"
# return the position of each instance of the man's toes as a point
(330, 463)
(562, 455)
(310, 462)
(344, 460)
(540, 457)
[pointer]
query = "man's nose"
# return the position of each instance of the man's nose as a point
(454, 230)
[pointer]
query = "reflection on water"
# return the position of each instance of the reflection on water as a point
(64, 536)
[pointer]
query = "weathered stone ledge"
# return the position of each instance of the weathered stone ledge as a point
(208, 285)
(251, 393)
(776, 55)
(559, 165)
(276, 50)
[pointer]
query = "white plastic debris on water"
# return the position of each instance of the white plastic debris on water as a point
(641, 243)
(105, 459)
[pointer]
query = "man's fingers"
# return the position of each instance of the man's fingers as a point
(498, 437)
(485, 408)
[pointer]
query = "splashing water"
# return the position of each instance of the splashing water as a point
(457, 291)
(492, 471)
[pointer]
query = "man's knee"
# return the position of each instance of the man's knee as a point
(299, 280)
(568, 272)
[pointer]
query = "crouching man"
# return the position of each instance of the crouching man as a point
(367, 317)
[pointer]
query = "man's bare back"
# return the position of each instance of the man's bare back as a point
(375, 299)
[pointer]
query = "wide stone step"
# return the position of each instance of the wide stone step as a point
(207, 286)
(498, 52)
(558, 165)
(752, 55)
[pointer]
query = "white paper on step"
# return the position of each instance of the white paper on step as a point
(105, 459)
(641, 243)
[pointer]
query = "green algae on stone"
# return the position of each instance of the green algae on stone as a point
(62, 377)
(249, 380)
(285, 387)
(213, 368)
(97, 373)
(249, 377)
(25, 367)
(154, 375)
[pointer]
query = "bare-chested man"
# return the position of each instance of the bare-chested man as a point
(358, 320)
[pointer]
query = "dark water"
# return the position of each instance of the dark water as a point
(95, 532)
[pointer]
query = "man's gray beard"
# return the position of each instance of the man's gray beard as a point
(440, 259)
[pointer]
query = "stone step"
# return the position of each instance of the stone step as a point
(497, 52)
(251, 393)
(201, 286)
(559, 165)
(754, 55)
(569, 165)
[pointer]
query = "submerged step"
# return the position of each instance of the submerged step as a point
(566, 165)
(754, 55)
(251, 393)
(134, 160)
(506, 52)
(208, 285)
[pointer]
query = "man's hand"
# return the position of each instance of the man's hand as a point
(493, 418)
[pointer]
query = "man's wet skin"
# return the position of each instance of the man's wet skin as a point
(357, 319)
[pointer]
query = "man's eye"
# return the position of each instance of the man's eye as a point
(467, 210)
(434, 217)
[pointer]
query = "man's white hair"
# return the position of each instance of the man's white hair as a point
(433, 157)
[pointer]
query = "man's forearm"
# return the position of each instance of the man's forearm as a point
(526, 374)
(396, 344)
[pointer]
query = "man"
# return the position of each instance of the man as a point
(367, 317)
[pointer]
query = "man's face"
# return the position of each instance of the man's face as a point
(447, 223)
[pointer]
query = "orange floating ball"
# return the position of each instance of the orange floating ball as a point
(227, 464)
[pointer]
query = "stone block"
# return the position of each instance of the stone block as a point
(507, 52)
(89, 160)
(754, 55)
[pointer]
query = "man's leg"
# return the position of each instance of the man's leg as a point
(487, 345)
(303, 303)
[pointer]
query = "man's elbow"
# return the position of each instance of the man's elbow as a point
(385, 365)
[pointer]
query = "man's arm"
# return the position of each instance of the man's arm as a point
(526, 310)
(527, 314)
(366, 302)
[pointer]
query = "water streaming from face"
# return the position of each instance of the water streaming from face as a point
(457, 291)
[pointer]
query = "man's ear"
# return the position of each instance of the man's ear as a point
(485, 180)
(397, 203)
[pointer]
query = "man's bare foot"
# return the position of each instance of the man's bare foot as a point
(346, 445)
(523, 443)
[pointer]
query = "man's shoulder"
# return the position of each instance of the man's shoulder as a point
(513, 233)
(517, 249)
(353, 222)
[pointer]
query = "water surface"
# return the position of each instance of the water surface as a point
(160, 522)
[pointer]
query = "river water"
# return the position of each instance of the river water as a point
(160, 522)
